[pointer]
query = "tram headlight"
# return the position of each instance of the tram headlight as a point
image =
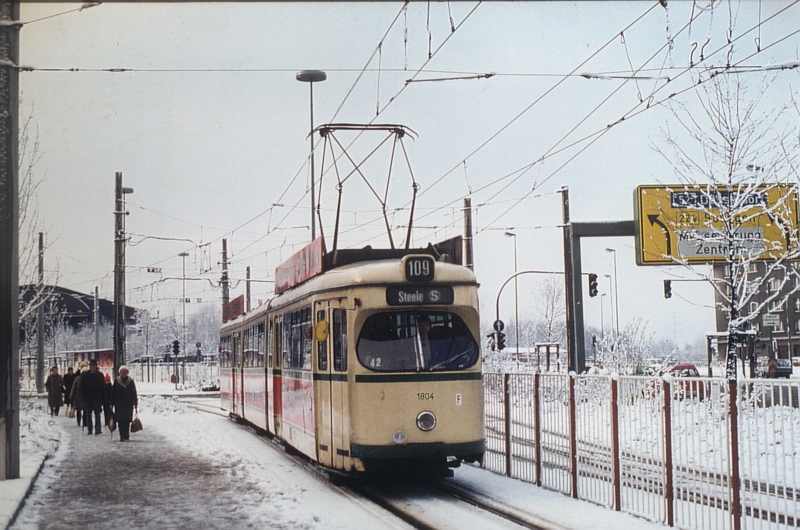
(426, 420)
(399, 437)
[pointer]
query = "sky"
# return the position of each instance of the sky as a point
(198, 106)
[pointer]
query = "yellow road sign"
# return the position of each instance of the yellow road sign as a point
(677, 223)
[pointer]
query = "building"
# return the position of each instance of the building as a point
(68, 307)
(777, 325)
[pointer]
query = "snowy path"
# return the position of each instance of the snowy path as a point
(191, 469)
(185, 470)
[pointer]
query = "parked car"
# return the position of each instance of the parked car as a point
(687, 389)
(795, 361)
(784, 368)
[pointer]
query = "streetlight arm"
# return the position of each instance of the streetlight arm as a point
(497, 301)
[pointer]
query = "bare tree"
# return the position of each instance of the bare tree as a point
(625, 353)
(29, 222)
(736, 165)
(549, 298)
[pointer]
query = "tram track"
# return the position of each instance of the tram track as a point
(429, 504)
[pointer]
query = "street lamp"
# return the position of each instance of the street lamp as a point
(311, 77)
(183, 307)
(602, 320)
(616, 291)
(516, 292)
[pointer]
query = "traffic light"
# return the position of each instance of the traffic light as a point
(667, 288)
(176, 347)
(592, 284)
(501, 341)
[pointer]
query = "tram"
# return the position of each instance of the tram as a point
(365, 359)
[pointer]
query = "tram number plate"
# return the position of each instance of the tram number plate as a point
(425, 396)
(419, 269)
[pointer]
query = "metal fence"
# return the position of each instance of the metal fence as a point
(657, 448)
(188, 374)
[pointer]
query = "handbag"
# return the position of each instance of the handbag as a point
(70, 411)
(136, 424)
(112, 425)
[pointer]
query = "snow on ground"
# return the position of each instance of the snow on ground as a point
(279, 494)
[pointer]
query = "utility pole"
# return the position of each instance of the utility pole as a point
(119, 272)
(569, 281)
(9, 241)
(40, 367)
(247, 283)
(96, 318)
(225, 293)
(468, 233)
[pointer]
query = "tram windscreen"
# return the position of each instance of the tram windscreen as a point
(411, 341)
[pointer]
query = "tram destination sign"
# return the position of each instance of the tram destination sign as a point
(677, 223)
(419, 295)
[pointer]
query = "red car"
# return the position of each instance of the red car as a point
(687, 389)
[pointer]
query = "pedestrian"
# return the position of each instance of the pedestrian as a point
(107, 399)
(55, 391)
(124, 400)
(76, 394)
(93, 387)
(69, 378)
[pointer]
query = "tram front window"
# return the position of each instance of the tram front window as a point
(411, 341)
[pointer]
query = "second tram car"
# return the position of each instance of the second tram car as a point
(363, 364)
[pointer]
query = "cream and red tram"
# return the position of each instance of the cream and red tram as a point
(337, 364)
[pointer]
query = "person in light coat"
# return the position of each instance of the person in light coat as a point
(124, 400)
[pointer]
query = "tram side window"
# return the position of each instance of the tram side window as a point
(259, 344)
(297, 336)
(270, 345)
(225, 351)
(322, 346)
(339, 340)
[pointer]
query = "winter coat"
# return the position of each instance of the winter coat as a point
(124, 399)
(93, 387)
(76, 394)
(69, 379)
(55, 389)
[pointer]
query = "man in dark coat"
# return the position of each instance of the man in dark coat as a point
(124, 400)
(69, 378)
(93, 388)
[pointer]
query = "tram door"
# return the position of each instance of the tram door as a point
(331, 391)
(236, 372)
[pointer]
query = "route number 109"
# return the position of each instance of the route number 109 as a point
(419, 268)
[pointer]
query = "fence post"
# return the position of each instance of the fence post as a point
(573, 438)
(615, 463)
(507, 421)
(736, 505)
(669, 494)
(537, 432)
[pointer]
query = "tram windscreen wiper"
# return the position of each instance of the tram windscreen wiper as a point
(451, 359)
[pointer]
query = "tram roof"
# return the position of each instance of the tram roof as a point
(372, 272)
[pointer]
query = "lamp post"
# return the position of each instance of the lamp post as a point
(183, 311)
(311, 77)
(616, 291)
(602, 320)
(516, 293)
(183, 300)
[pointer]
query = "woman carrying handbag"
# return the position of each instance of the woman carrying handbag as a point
(124, 400)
